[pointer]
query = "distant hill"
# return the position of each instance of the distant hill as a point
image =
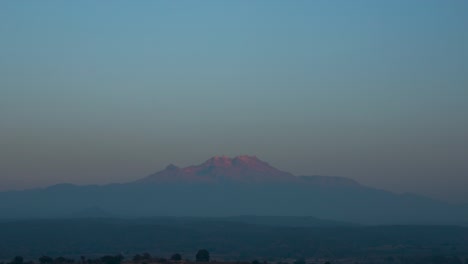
(222, 187)
(91, 212)
(286, 221)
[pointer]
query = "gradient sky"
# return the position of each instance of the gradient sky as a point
(98, 92)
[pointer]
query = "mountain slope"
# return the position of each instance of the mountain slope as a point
(223, 186)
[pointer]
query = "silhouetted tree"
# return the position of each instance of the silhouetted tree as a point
(137, 258)
(255, 262)
(176, 257)
(63, 260)
(146, 256)
(112, 259)
(46, 260)
(17, 260)
(300, 261)
(203, 255)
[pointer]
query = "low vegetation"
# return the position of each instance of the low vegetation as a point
(203, 256)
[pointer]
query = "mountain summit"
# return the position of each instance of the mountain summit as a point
(242, 168)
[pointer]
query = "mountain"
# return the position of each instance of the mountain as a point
(243, 169)
(222, 187)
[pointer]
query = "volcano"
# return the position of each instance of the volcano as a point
(224, 186)
(247, 169)
(241, 169)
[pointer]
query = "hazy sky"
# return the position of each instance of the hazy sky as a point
(101, 91)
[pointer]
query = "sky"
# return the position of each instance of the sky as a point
(93, 92)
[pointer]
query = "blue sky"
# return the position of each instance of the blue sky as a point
(97, 92)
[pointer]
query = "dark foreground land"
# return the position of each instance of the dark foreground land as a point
(270, 239)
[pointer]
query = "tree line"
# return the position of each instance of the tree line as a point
(202, 256)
